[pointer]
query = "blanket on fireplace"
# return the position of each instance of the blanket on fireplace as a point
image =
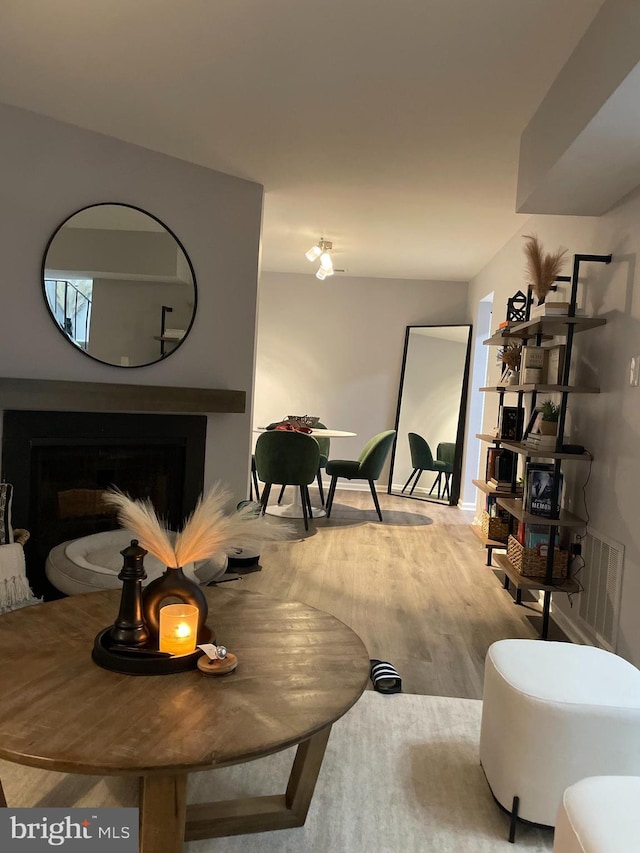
(14, 587)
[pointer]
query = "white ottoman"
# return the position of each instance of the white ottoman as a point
(599, 815)
(554, 713)
(93, 562)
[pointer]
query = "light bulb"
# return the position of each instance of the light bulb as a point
(313, 253)
(329, 272)
(321, 274)
(325, 261)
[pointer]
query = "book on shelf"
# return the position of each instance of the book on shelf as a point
(536, 536)
(531, 376)
(552, 309)
(532, 357)
(499, 487)
(537, 441)
(494, 511)
(555, 364)
(539, 487)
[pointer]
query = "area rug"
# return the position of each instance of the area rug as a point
(401, 775)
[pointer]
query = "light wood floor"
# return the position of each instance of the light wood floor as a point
(416, 588)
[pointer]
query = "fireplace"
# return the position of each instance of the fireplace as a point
(60, 462)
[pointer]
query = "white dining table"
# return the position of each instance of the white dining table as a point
(294, 509)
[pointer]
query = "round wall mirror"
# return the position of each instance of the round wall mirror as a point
(119, 285)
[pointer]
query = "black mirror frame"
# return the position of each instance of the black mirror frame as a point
(163, 356)
(456, 477)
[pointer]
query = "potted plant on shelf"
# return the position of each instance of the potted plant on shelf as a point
(550, 414)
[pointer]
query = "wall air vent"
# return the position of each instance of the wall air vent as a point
(601, 577)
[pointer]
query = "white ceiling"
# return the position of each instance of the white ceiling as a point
(390, 128)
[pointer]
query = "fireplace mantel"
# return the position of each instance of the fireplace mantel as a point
(54, 395)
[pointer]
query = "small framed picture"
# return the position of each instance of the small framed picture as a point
(533, 424)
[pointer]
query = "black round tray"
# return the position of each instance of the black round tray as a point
(133, 662)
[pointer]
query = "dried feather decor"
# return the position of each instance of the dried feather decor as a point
(209, 529)
(510, 355)
(542, 268)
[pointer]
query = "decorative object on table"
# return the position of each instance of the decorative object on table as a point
(303, 420)
(542, 267)
(295, 423)
(550, 414)
(130, 629)
(517, 307)
(178, 629)
(217, 660)
(171, 645)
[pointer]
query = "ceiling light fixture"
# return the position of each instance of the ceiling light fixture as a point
(321, 250)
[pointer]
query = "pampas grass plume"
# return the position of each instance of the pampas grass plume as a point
(542, 268)
(208, 531)
(140, 517)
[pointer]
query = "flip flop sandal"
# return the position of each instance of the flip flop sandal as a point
(385, 678)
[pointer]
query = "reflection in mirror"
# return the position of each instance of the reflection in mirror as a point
(427, 456)
(119, 285)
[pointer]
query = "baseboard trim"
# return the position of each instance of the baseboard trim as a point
(569, 627)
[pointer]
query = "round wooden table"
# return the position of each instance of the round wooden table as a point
(300, 670)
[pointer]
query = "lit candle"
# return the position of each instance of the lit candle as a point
(178, 628)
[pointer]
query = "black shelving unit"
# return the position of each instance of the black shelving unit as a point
(532, 332)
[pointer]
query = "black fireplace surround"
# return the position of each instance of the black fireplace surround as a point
(58, 462)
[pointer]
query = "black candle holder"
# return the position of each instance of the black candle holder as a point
(130, 645)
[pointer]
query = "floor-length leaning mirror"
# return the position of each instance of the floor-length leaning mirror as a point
(426, 462)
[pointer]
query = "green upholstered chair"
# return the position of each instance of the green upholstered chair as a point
(422, 460)
(367, 467)
(253, 483)
(446, 452)
(324, 443)
(288, 459)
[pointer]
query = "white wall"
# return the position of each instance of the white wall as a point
(50, 170)
(607, 423)
(334, 348)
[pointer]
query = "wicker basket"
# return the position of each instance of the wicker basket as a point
(494, 528)
(529, 563)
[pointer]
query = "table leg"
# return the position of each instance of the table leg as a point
(294, 509)
(261, 814)
(163, 804)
